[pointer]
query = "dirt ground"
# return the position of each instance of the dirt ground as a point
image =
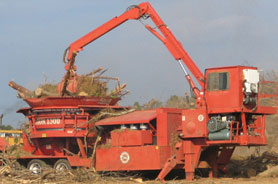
(255, 180)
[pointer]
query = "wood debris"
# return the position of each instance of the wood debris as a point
(22, 92)
(9, 174)
(254, 166)
(93, 84)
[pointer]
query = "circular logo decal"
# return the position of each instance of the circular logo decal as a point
(201, 117)
(124, 157)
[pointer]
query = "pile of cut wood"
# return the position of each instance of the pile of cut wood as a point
(265, 165)
(93, 84)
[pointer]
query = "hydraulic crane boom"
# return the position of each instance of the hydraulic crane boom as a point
(144, 10)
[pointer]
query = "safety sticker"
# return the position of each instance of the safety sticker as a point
(201, 117)
(124, 157)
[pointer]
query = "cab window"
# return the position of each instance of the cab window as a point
(218, 81)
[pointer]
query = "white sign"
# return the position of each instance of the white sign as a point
(183, 118)
(201, 117)
(124, 157)
(51, 121)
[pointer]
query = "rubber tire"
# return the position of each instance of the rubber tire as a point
(64, 163)
(38, 163)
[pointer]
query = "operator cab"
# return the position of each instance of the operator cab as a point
(232, 89)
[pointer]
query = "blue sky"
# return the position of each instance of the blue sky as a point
(34, 34)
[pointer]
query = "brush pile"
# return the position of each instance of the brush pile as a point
(11, 173)
(265, 165)
(93, 84)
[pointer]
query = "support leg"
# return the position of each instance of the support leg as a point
(224, 157)
(171, 162)
(81, 147)
(212, 160)
(192, 156)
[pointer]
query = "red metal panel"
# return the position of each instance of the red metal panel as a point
(162, 128)
(40, 157)
(60, 133)
(167, 122)
(56, 121)
(173, 121)
(98, 107)
(49, 146)
(258, 110)
(230, 98)
(131, 137)
(131, 158)
(194, 123)
(76, 161)
(52, 147)
(265, 110)
(241, 141)
(230, 67)
(130, 118)
(70, 101)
